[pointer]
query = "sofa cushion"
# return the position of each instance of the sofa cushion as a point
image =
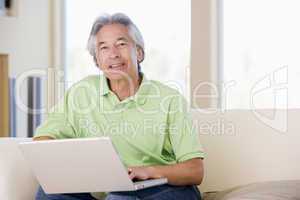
(273, 190)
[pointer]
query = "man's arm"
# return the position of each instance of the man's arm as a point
(189, 172)
(39, 138)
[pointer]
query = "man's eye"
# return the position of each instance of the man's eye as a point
(122, 44)
(103, 48)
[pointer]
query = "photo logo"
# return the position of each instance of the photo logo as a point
(274, 86)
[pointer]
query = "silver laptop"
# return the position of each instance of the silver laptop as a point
(80, 165)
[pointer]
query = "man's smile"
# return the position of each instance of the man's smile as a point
(117, 66)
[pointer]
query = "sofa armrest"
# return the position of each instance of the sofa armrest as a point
(17, 182)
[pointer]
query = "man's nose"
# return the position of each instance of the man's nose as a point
(114, 52)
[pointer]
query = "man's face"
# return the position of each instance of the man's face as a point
(116, 52)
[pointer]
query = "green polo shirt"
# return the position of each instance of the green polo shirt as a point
(152, 127)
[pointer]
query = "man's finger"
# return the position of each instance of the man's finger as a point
(131, 175)
(129, 170)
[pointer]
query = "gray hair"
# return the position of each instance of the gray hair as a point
(117, 18)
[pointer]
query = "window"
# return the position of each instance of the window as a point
(260, 47)
(166, 33)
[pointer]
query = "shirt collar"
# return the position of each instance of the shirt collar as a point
(141, 95)
(104, 89)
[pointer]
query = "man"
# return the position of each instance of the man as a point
(146, 120)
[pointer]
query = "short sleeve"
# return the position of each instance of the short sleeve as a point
(57, 124)
(183, 136)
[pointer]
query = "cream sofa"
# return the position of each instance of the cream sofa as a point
(18, 183)
(16, 179)
(253, 152)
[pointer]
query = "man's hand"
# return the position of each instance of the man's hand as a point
(189, 172)
(142, 173)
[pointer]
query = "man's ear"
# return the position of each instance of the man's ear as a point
(140, 54)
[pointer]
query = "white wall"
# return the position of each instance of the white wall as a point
(204, 53)
(242, 149)
(26, 39)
